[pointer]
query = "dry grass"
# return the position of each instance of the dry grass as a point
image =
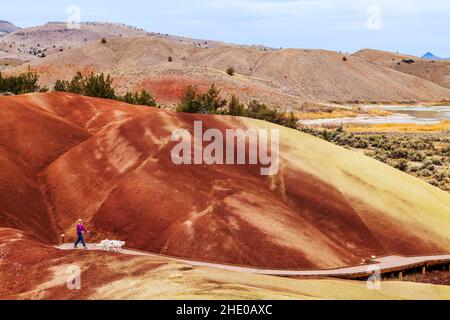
(337, 113)
(354, 112)
(403, 127)
(378, 113)
(10, 62)
(443, 103)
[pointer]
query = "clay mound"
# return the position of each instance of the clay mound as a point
(326, 208)
(437, 71)
(31, 138)
(281, 77)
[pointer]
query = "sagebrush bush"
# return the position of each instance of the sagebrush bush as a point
(100, 86)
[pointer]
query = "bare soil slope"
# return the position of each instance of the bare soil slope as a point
(281, 77)
(437, 71)
(29, 43)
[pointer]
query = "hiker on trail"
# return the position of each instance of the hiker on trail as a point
(80, 230)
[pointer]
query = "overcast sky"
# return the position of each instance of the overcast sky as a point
(407, 26)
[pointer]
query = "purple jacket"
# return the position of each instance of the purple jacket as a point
(81, 228)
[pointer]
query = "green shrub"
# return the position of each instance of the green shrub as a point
(426, 173)
(230, 71)
(436, 161)
(26, 82)
(235, 108)
(209, 102)
(190, 102)
(91, 85)
(399, 153)
(402, 165)
(416, 156)
(433, 182)
(101, 86)
(60, 86)
(143, 98)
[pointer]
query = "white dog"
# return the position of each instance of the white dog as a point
(111, 245)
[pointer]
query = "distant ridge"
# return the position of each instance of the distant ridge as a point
(431, 56)
(7, 27)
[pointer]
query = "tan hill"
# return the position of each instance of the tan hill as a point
(437, 71)
(31, 270)
(29, 43)
(109, 163)
(281, 77)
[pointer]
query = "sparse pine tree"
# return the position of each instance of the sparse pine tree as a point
(211, 102)
(190, 101)
(235, 108)
(98, 86)
(60, 86)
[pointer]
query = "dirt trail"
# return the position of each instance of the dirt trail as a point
(387, 263)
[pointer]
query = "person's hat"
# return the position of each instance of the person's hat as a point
(79, 220)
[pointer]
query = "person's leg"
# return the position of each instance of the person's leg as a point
(77, 242)
(82, 240)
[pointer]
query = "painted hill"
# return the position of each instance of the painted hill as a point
(434, 70)
(109, 163)
(286, 78)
